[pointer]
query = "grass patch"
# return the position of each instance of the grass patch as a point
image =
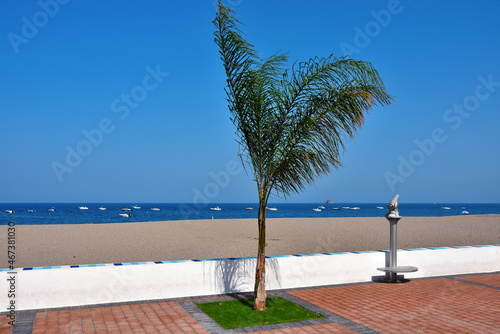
(238, 313)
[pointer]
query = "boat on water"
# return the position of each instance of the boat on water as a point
(124, 215)
(272, 209)
(126, 209)
(83, 208)
(446, 208)
(345, 207)
(155, 209)
(321, 207)
(102, 209)
(31, 210)
(355, 208)
(249, 209)
(216, 209)
(10, 211)
(380, 207)
(136, 207)
(336, 208)
(51, 209)
(317, 209)
(465, 212)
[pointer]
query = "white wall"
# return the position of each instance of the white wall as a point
(65, 286)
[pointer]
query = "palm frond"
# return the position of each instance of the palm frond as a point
(326, 100)
(292, 125)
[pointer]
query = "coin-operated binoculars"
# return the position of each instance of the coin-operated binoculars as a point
(392, 270)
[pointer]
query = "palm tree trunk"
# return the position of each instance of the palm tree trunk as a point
(260, 295)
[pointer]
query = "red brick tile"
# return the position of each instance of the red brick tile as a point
(411, 305)
(432, 306)
(490, 279)
(6, 329)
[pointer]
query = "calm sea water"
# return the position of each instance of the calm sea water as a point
(69, 213)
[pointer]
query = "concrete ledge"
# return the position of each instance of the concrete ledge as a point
(66, 286)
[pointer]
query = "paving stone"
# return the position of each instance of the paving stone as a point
(433, 305)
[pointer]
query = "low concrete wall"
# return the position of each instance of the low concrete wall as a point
(48, 287)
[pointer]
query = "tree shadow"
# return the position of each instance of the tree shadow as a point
(238, 275)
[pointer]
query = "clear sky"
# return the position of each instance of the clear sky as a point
(123, 101)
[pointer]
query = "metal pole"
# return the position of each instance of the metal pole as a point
(393, 217)
(393, 259)
(391, 272)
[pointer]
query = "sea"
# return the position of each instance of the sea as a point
(89, 213)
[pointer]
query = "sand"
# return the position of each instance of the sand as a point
(57, 245)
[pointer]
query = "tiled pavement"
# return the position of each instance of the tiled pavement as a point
(452, 304)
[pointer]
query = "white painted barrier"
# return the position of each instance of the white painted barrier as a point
(50, 287)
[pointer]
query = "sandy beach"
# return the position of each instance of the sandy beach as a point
(55, 245)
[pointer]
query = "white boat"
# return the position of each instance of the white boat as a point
(9, 211)
(136, 207)
(380, 207)
(102, 209)
(321, 207)
(272, 209)
(346, 207)
(52, 209)
(216, 209)
(83, 208)
(465, 212)
(249, 209)
(31, 210)
(355, 208)
(337, 208)
(126, 209)
(155, 209)
(446, 208)
(317, 209)
(124, 214)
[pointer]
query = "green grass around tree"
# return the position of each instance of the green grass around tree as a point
(238, 313)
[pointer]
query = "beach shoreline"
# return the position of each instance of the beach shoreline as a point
(77, 244)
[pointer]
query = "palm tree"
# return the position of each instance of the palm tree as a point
(291, 124)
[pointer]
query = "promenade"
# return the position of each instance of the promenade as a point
(449, 304)
(77, 244)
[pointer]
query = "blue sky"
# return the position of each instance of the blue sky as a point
(123, 101)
